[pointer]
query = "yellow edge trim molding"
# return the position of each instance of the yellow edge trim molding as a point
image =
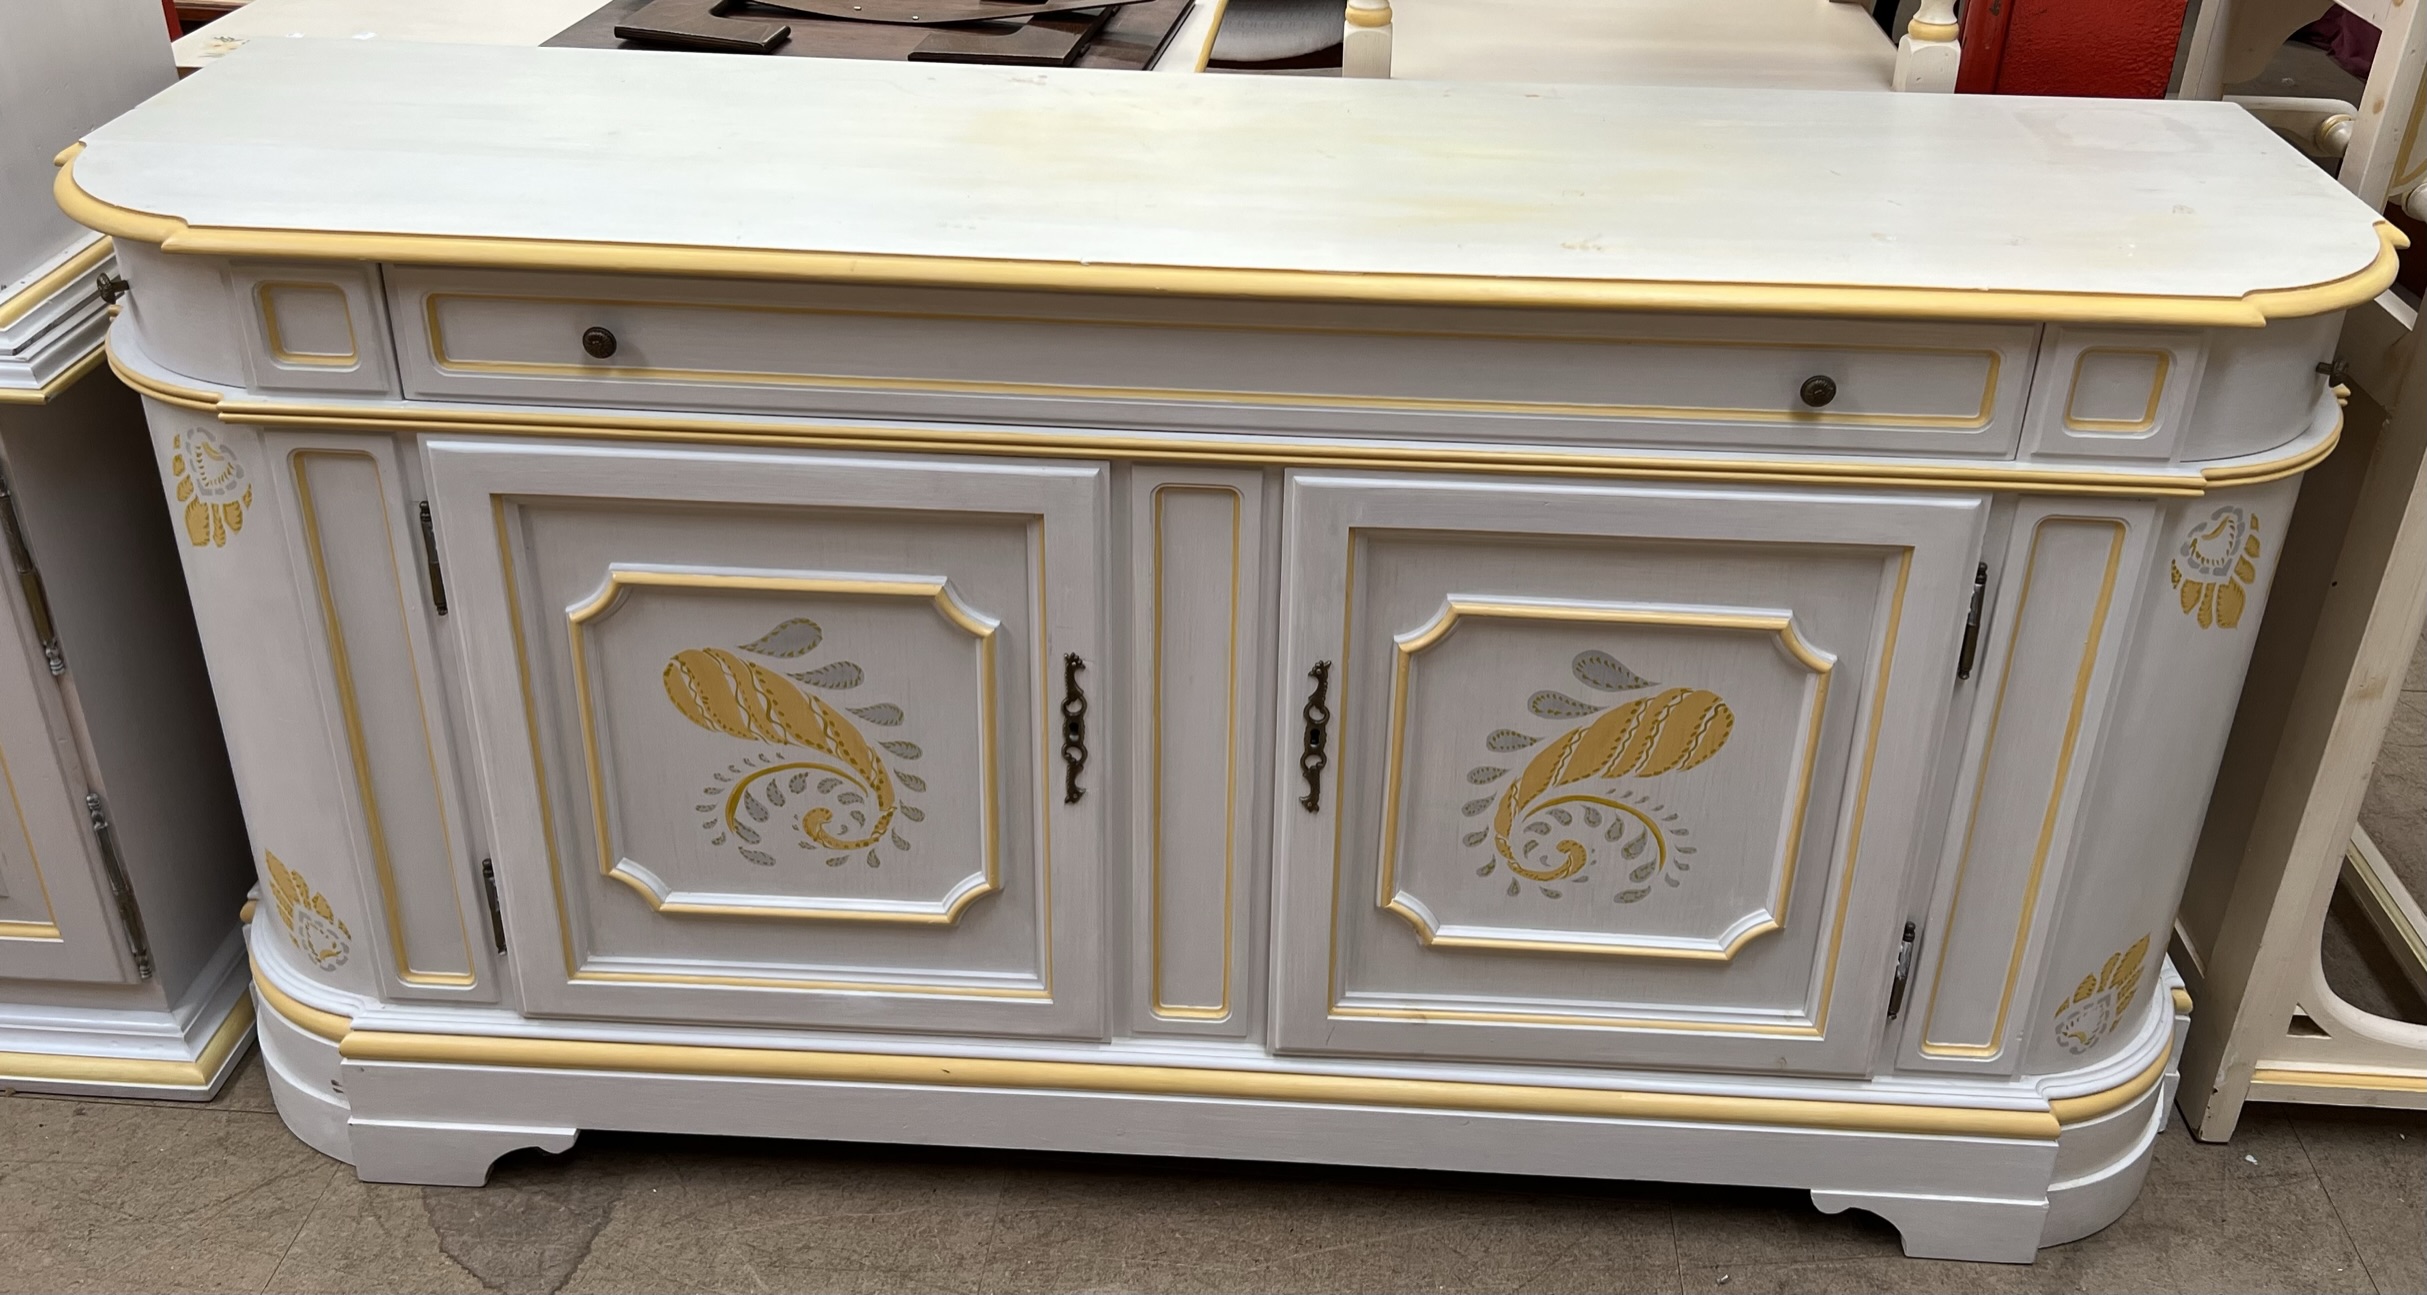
(2386, 1081)
(49, 391)
(2089, 1106)
(1187, 1081)
(2250, 310)
(87, 259)
(608, 424)
(311, 1020)
(199, 1073)
(1191, 1081)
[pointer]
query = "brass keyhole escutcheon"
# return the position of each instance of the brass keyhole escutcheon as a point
(600, 344)
(1819, 390)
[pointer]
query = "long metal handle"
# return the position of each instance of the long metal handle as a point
(122, 889)
(1074, 729)
(1312, 759)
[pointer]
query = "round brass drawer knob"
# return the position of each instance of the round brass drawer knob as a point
(1819, 390)
(600, 344)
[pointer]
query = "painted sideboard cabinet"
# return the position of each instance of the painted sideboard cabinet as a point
(122, 852)
(1253, 617)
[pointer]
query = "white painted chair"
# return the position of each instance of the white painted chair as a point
(2283, 834)
(1807, 44)
(2383, 160)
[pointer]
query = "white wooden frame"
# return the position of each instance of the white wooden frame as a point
(2262, 967)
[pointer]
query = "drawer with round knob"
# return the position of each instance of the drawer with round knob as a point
(1697, 381)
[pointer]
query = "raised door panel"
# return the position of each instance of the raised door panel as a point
(1611, 774)
(2054, 633)
(1201, 643)
(357, 539)
(766, 731)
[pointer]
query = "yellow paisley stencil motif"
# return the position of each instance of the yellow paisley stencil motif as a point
(840, 796)
(212, 486)
(311, 926)
(2213, 568)
(1543, 833)
(2099, 1002)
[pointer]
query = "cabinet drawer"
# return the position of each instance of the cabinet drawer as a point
(1710, 383)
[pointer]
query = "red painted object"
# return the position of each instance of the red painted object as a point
(2111, 49)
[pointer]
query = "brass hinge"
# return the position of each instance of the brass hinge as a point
(429, 555)
(497, 915)
(1980, 591)
(1904, 969)
(29, 579)
(121, 889)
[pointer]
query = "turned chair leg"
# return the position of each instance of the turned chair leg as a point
(1365, 39)
(1927, 57)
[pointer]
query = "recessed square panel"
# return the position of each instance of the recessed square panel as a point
(308, 323)
(2116, 391)
(792, 745)
(1601, 778)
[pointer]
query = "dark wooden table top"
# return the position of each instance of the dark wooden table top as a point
(1130, 39)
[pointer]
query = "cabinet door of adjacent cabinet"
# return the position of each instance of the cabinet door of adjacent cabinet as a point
(766, 732)
(1616, 774)
(55, 918)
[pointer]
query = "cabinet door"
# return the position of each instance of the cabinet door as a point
(1623, 775)
(55, 913)
(766, 737)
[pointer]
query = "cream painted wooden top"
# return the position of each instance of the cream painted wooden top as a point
(1788, 44)
(1080, 170)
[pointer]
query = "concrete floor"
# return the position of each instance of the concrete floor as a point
(98, 1195)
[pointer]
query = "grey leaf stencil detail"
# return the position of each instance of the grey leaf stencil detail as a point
(1601, 670)
(1558, 705)
(841, 674)
(790, 639)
